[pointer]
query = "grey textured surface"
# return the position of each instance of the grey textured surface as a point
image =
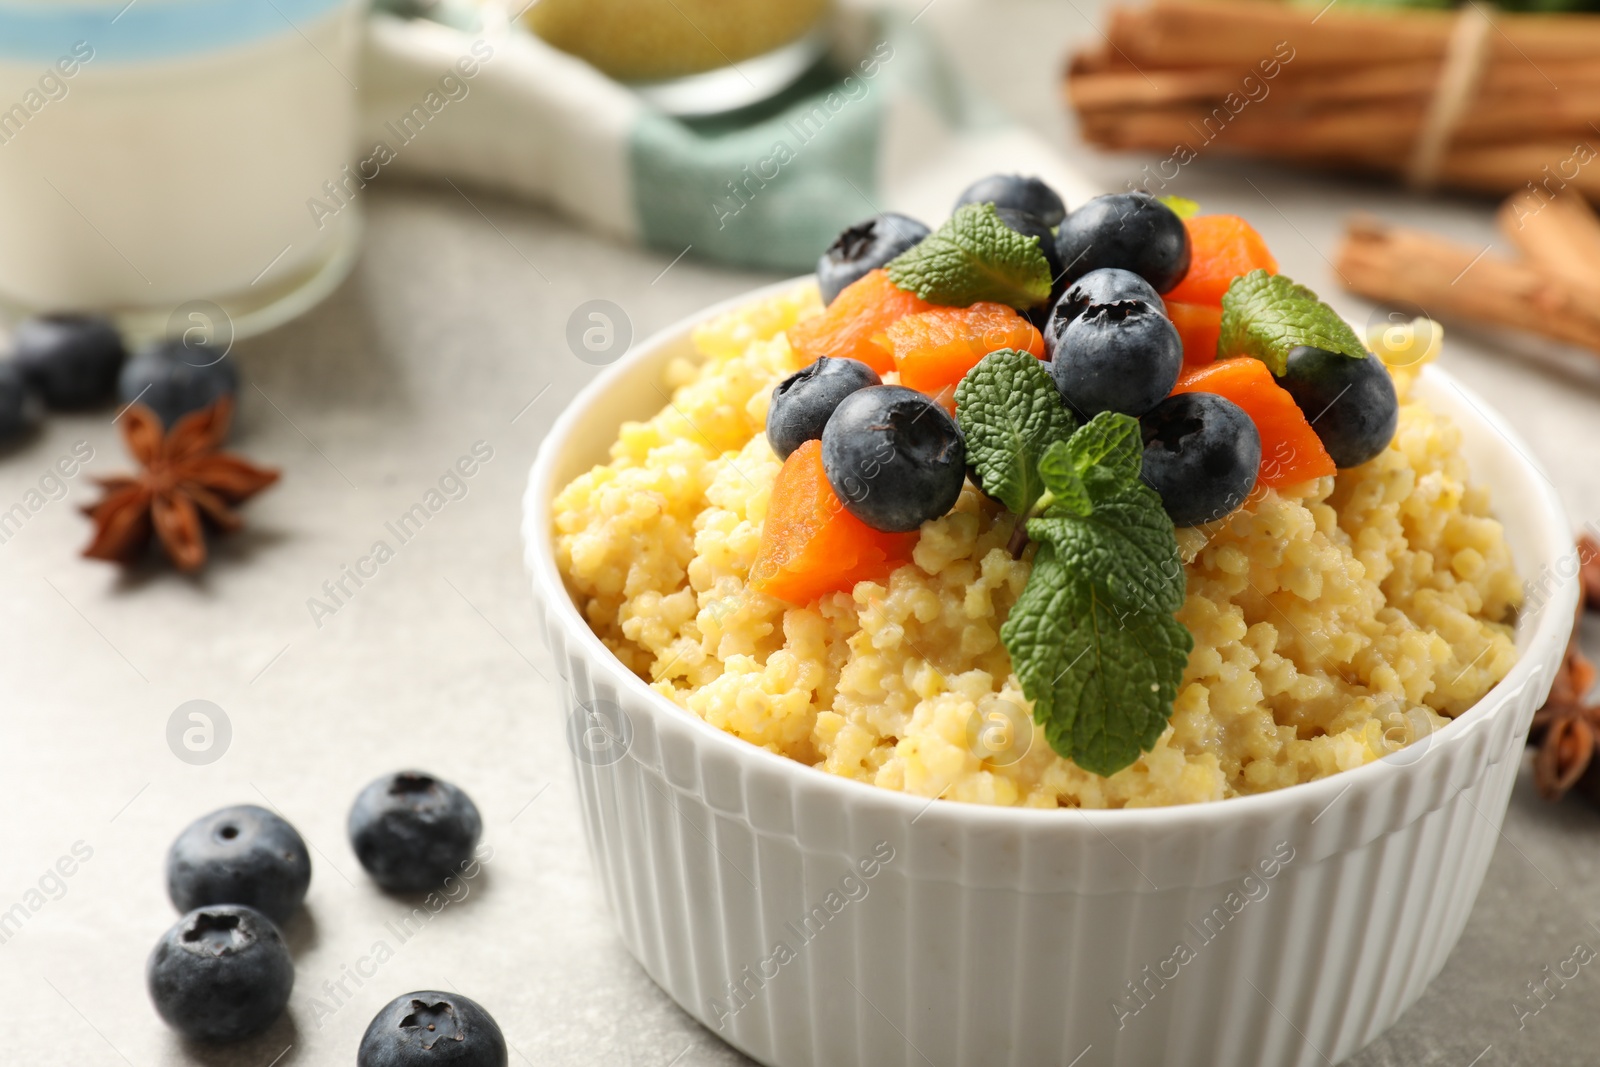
(451, 327)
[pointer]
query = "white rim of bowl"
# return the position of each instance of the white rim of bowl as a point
(540, 559)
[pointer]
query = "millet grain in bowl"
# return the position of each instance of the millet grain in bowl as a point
(1334, 622)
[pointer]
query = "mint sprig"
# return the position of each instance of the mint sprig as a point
(1267, 316)
(1125, 543)
(1092, 639)
(1110, 441)
(1102, 679)
(974, 256)
(1063, 477)
(1010, 412)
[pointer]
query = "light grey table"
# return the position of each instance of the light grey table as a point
(451, 332)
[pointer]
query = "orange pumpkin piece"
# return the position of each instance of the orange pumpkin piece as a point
(846, 327)
(1291, 452)
(1221, 247)
(933, 350)
(811, 545)
(1199, 327)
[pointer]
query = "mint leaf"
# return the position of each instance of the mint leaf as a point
(1111, 440)
(1062, 478)
(1267, 315)
(1034, 633)
(1092, 638)
(972, 257)
(1181, 206)
(1010, 412)
(1102, 681)
(1104, 522)
(1126, 545)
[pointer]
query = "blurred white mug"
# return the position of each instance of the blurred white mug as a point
(159, 153)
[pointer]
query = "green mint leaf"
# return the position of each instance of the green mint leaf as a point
(1033, 632)
(972, 257)
(1181, 206)
(1062, 477)
(1092, 639)
(1267, 315)
(1109, 440)
(1102, 681)
(1010, 412)
(1125, 545)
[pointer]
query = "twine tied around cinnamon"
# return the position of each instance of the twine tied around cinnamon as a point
(1465, 60)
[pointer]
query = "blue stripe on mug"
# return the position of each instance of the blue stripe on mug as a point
(44, 30)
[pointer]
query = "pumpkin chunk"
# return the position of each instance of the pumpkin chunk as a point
(933, 350)
(1221, 247)
(811, 545)
(846, 328)
(1291, 452)
(1199, 328)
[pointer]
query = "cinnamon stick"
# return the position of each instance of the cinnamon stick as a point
(1200, 32)
(1446, 279)
(1282, 121)
(1120, 86)
(1559, 235)
(1531, 167)
(1241, 32)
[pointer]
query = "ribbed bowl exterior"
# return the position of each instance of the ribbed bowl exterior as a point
(811, 920)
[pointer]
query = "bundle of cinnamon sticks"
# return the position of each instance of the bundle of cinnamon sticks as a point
(1468, 98)
(1551, 288)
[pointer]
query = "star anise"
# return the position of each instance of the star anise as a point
(186, 485)
(1567, 730)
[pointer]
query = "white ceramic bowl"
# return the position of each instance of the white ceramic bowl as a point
(810, 919)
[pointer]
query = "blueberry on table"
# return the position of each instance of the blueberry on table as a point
(864, 248)
(1019, 193)
(239, 855)
(173, 378)
(428, 1027)
(1108, 285)
(411, 831)
(1350, 403)
(71, 360)
(1201, 455)
(20, 409)
(894, 457)
(1123, 356)
(222, 973)
(802, 402)
(1133, 231)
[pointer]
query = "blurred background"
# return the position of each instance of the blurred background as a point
(401, 235)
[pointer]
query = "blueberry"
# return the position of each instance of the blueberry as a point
(175, 377)
(411, 830)
(427, 1027)
(894, 457)
(1123, 356)
(20, 409)
(802, 402)
(1350, 402)
(1133, 231)
(864, 248)
(1020, 193)
(239, 855)
(1108, 285)
(72, 360)
(221, 973)
(1201, 454)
